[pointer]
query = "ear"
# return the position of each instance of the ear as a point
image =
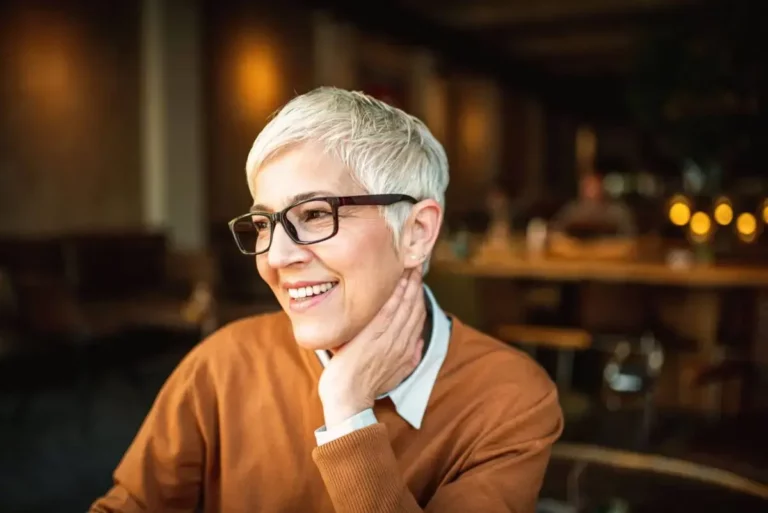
(420, 233)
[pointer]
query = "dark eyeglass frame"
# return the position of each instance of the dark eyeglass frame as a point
(381, 200)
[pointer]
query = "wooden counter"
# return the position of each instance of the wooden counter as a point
(487, 293)
(550, 269)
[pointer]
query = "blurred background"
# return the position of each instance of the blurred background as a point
(606, 213)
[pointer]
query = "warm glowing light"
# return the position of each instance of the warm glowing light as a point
(48, 55)
(474, 125)
(746, 224)
(701, 224)
(765, 212)
(679, 213)
(259, 81)
(724, 213)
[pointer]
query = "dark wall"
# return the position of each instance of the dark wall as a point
(559, 159)
(69, 116)
(258, 58)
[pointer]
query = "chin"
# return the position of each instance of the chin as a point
(316, 336)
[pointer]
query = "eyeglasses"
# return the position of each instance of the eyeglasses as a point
(306, 222)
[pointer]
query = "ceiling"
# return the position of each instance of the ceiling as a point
(562, 37)
(577, 54)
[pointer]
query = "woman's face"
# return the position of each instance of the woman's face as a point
(360, 261)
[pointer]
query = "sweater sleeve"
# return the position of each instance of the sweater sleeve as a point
(503, 473)
(162, 469)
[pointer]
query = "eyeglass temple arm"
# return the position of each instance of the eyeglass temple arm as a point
(375, 199)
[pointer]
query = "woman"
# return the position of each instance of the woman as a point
(362, 394)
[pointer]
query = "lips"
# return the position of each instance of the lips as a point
(306, 296)
(306, 290)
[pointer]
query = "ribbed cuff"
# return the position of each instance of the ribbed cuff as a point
(359, 421)
(360, 471)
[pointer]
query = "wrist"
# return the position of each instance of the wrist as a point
(338, 408)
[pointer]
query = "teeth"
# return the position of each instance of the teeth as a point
(313, 290)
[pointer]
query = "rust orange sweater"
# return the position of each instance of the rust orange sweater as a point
(233, 431)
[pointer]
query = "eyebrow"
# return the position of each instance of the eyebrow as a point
(260, 207)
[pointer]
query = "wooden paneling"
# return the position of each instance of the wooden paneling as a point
(513, 13)
(69, 116)
(259, 57)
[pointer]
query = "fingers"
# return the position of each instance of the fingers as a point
(417, 310)
(410, 303)
(394, 338)
(406, 328)
(401, 318)
(407, 363)
(390, 308)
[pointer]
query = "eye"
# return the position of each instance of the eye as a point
(313, 215)
(260, 224)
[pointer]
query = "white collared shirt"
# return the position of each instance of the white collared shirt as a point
(412, 395)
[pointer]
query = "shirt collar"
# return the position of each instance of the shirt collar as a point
(412, 395)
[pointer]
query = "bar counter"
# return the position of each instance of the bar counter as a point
(515, 266)
(489, 291)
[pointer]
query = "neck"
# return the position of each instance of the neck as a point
(426, 331)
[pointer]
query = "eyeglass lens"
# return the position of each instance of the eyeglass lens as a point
(306, 222)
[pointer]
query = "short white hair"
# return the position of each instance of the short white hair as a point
(387, 150)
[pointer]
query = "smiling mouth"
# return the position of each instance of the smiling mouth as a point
(300, 294)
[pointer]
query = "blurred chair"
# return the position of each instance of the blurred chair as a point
(117, 265)
(565, 341)
(8, 314)
(533, 318)
(631, 344)
(736, 371)
(57, 348)
(46, 328)
(630, 377)
(739, 370)
(739, 436)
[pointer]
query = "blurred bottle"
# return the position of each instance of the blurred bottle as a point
(536, 237)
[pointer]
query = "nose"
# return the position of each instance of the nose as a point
(283, 252)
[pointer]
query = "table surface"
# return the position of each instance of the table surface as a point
(651, 273)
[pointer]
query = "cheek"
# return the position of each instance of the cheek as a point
(368, 267)
(265, 271)
(372, 268)
(353, 253)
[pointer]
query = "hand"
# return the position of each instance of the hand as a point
(382, 355)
